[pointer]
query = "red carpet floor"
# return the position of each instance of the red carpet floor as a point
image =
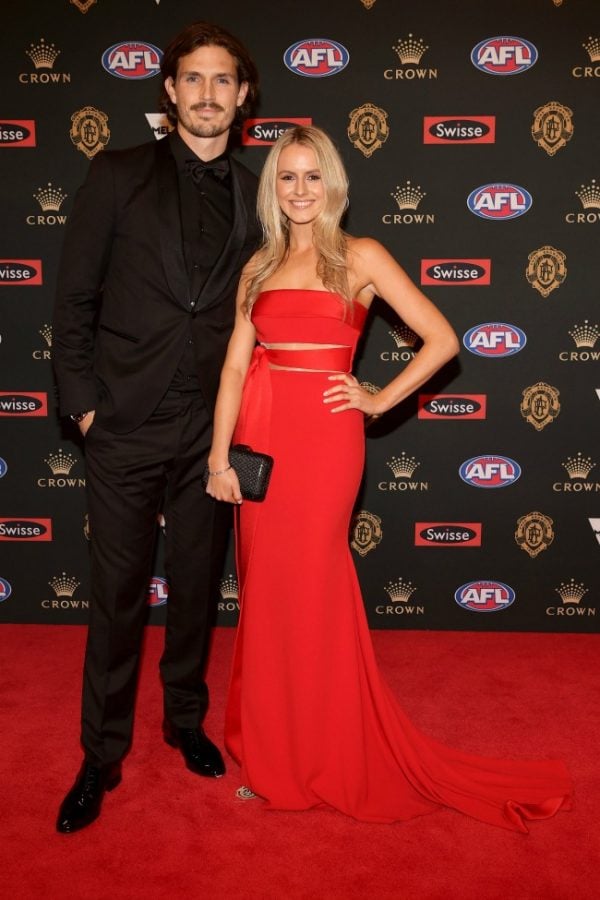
(165, 833)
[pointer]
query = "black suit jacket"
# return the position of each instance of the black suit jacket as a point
(122, 314)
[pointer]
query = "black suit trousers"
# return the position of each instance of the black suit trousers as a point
(129, 479)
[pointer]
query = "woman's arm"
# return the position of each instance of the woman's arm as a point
(223, 484)
(379, 274)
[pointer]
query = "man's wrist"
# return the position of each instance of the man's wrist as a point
(80, 416)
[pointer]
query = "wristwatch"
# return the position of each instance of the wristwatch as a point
(79, 417)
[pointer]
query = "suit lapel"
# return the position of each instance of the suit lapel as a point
(171, 238)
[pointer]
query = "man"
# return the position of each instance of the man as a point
(145, 306)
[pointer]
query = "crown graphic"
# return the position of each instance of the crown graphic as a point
(408, 197)
(228, 588)
(64, 585)
(400, 590)
(60, 463)
(571, 591)
(593, 48)
(46, 333)
(403, 336)
(578, 466)
(585, 335)
(410, 49)
(42, 55)
(49, 198)
(589, 195)
(403, 466)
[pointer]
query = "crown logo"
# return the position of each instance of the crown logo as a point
(368, 4)
(400, 591)
(60, 463)
(46, 333)
(42, 55)
(64, 585)
(408, 197)
(578, 466)
(83, 5)
(403, 466)
(571, 591)
(50, 198)
(593, 48)
(410, 49)
(228, 588)
(585, 335)
(589, 195)
(403, 336)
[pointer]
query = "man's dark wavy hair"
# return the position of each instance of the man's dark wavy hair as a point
(204, 34)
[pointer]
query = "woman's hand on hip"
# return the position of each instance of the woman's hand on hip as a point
(350, 394)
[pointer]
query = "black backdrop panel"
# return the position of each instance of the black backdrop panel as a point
(480, 507)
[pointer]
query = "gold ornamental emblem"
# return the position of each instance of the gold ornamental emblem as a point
(89, 130)
(546, 269)
(540, 404)
(552, 126)
(368, 128)
(534, 533)
(366, 533)
(83, 5)
(368, 4)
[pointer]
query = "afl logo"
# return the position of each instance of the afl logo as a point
(158, 591)
(3, 468)
(499, 201)
(495, 339)
(5, 589)
(316, 57)
(485, 596)
(132, 59)
(504, 55)
(490, 471)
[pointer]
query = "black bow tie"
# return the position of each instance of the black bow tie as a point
(197, 169)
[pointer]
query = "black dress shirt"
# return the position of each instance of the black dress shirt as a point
(206, 222)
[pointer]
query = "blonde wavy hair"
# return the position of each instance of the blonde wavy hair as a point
(328, 237)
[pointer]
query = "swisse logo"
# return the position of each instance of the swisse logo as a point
(264, 132)
(158, 591)
(25, 529)
(485, 596)
(504, 55)
(316, 57)
(17, 133)
(456, 271)
(30, 404)
(499, 201)
(132, 59)
(20, 271)
(490, 471)
(463, 130)
(5, 590)
(449, 406)
(447, 534)
(494, 339)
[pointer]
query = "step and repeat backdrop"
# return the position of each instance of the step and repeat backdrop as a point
(470, 131)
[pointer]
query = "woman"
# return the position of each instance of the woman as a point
(308, 717)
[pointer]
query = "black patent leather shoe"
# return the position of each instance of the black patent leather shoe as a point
(83, 802)
(200, 754)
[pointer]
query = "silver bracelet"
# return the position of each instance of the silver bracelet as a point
(220, 471)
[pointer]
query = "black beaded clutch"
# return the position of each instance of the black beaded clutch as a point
(252, 469)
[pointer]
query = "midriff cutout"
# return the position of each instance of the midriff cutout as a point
(309, 357)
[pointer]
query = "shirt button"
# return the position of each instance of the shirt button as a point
(192, 302)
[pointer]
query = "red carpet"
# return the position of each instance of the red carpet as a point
(165, 833)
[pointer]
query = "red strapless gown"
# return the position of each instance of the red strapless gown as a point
(309, 718)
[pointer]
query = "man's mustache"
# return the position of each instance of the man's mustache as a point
(207, 104)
